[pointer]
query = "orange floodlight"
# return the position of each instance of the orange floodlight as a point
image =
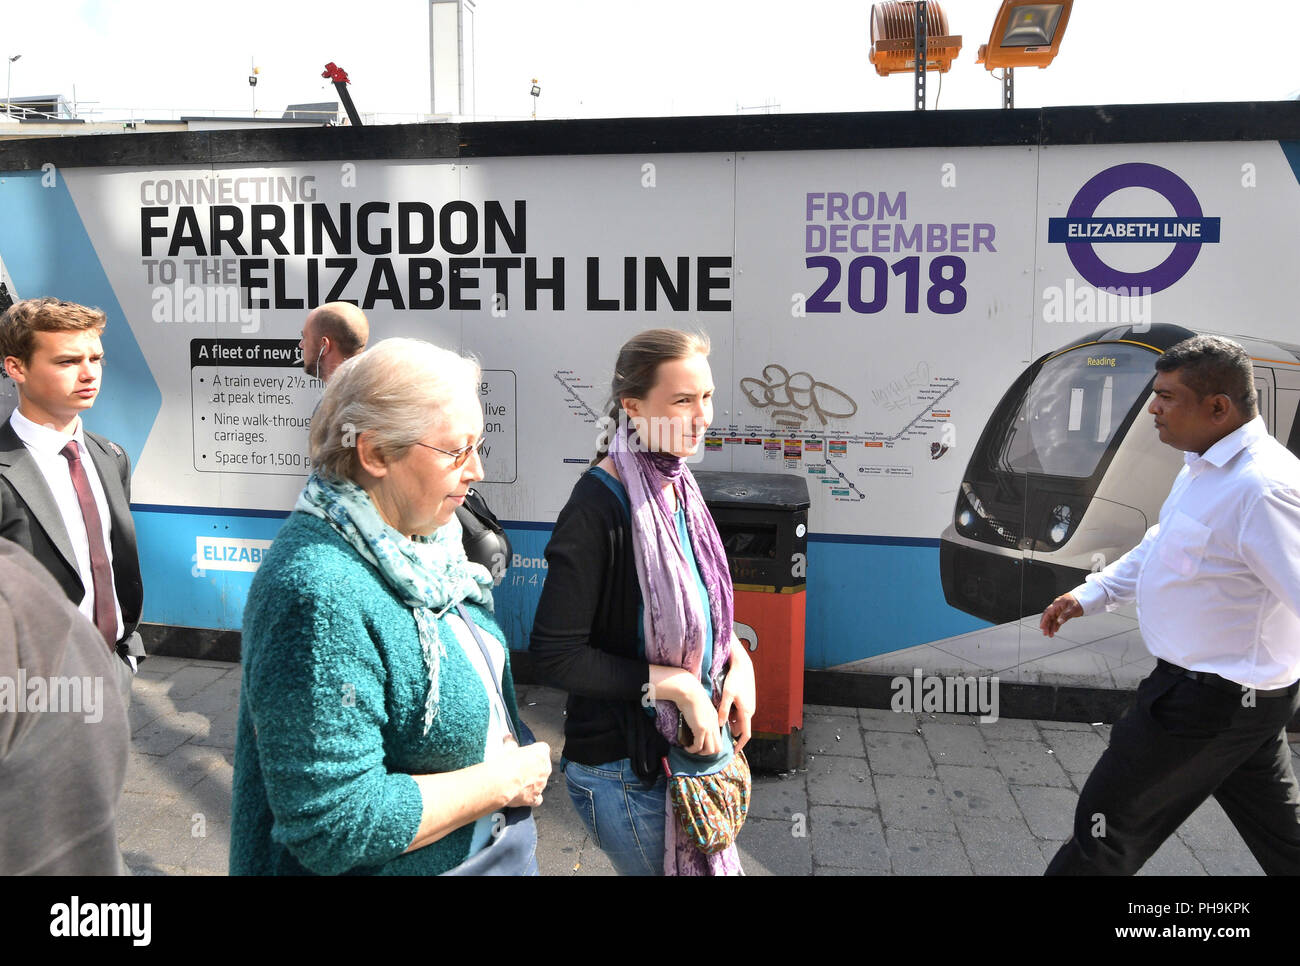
(1025, 34)
(893, 38)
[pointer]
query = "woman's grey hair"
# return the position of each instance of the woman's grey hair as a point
(396, 391)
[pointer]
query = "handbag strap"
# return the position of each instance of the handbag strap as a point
(482, 513)
(487, 658)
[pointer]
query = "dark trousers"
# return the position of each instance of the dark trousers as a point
(1183, 741)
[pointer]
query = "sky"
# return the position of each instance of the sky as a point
(616, 58)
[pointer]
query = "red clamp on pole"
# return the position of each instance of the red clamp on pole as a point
(340, 78)
(336, 73)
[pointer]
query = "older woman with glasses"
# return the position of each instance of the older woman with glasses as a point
(378, 731)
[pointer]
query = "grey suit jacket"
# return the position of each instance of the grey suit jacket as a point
(61, 775)
(30, 518)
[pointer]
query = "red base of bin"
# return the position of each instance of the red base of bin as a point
(778, 624)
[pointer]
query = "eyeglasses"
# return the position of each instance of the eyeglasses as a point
(459, 456)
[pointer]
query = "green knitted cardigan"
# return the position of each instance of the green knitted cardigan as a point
(331, 717)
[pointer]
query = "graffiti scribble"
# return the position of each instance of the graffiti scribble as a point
(794, 396)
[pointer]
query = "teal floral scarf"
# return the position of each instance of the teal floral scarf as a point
(430, 574)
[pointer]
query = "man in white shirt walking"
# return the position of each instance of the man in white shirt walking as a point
(1217, 585)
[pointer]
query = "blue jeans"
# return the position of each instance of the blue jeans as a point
(624, 819)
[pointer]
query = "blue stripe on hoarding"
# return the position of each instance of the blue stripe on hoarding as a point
(46, 251)
(866, 599)
(282, 514)
(527, 525)
(535, 525)
(1292, 151)
(208, 510)
(177, 588)
(873, 540)
(521, 588)
(866, 595)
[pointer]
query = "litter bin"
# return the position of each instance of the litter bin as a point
(763, 521)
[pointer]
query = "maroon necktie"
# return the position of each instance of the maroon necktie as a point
(100, 569)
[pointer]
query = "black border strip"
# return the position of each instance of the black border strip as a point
(1109, 124)
(1045, 702)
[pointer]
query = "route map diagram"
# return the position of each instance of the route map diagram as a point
(799, 408)
(845, 480)
(571, 384)
(796, 433)
(929, 408)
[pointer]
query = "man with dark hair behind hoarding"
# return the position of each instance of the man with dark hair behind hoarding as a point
(65, 491)
(1217, 584)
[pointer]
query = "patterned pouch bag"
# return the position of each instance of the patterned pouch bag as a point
(710, 794)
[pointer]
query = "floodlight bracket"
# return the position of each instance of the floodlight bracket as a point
(920, 51)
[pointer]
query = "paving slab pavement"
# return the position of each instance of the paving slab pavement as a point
(882, 793)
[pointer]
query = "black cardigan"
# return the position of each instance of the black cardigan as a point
(585, 633)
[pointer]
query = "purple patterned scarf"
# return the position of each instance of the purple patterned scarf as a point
(674, 620)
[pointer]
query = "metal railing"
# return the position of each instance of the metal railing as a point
(136, 114)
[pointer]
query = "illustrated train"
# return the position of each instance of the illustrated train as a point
(1069, 472)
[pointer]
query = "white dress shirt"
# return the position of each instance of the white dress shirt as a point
(46, 445)
(1217, 580)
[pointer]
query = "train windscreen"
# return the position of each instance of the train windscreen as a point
(1073, 408)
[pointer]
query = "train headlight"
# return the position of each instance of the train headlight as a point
(1060, 523)
(970, 513)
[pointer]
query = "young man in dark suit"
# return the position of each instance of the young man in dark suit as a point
(64, 491)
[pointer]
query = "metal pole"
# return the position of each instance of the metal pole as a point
(9, 85)
(342, 87)
(432, 103)
(920, 51)
(460, 58)
(1008, 89)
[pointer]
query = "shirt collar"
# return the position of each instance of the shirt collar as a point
(1222, 452)
(43, 439)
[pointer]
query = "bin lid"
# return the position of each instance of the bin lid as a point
(784, 491)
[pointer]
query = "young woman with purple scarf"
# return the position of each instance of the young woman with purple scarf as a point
(635, 618)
